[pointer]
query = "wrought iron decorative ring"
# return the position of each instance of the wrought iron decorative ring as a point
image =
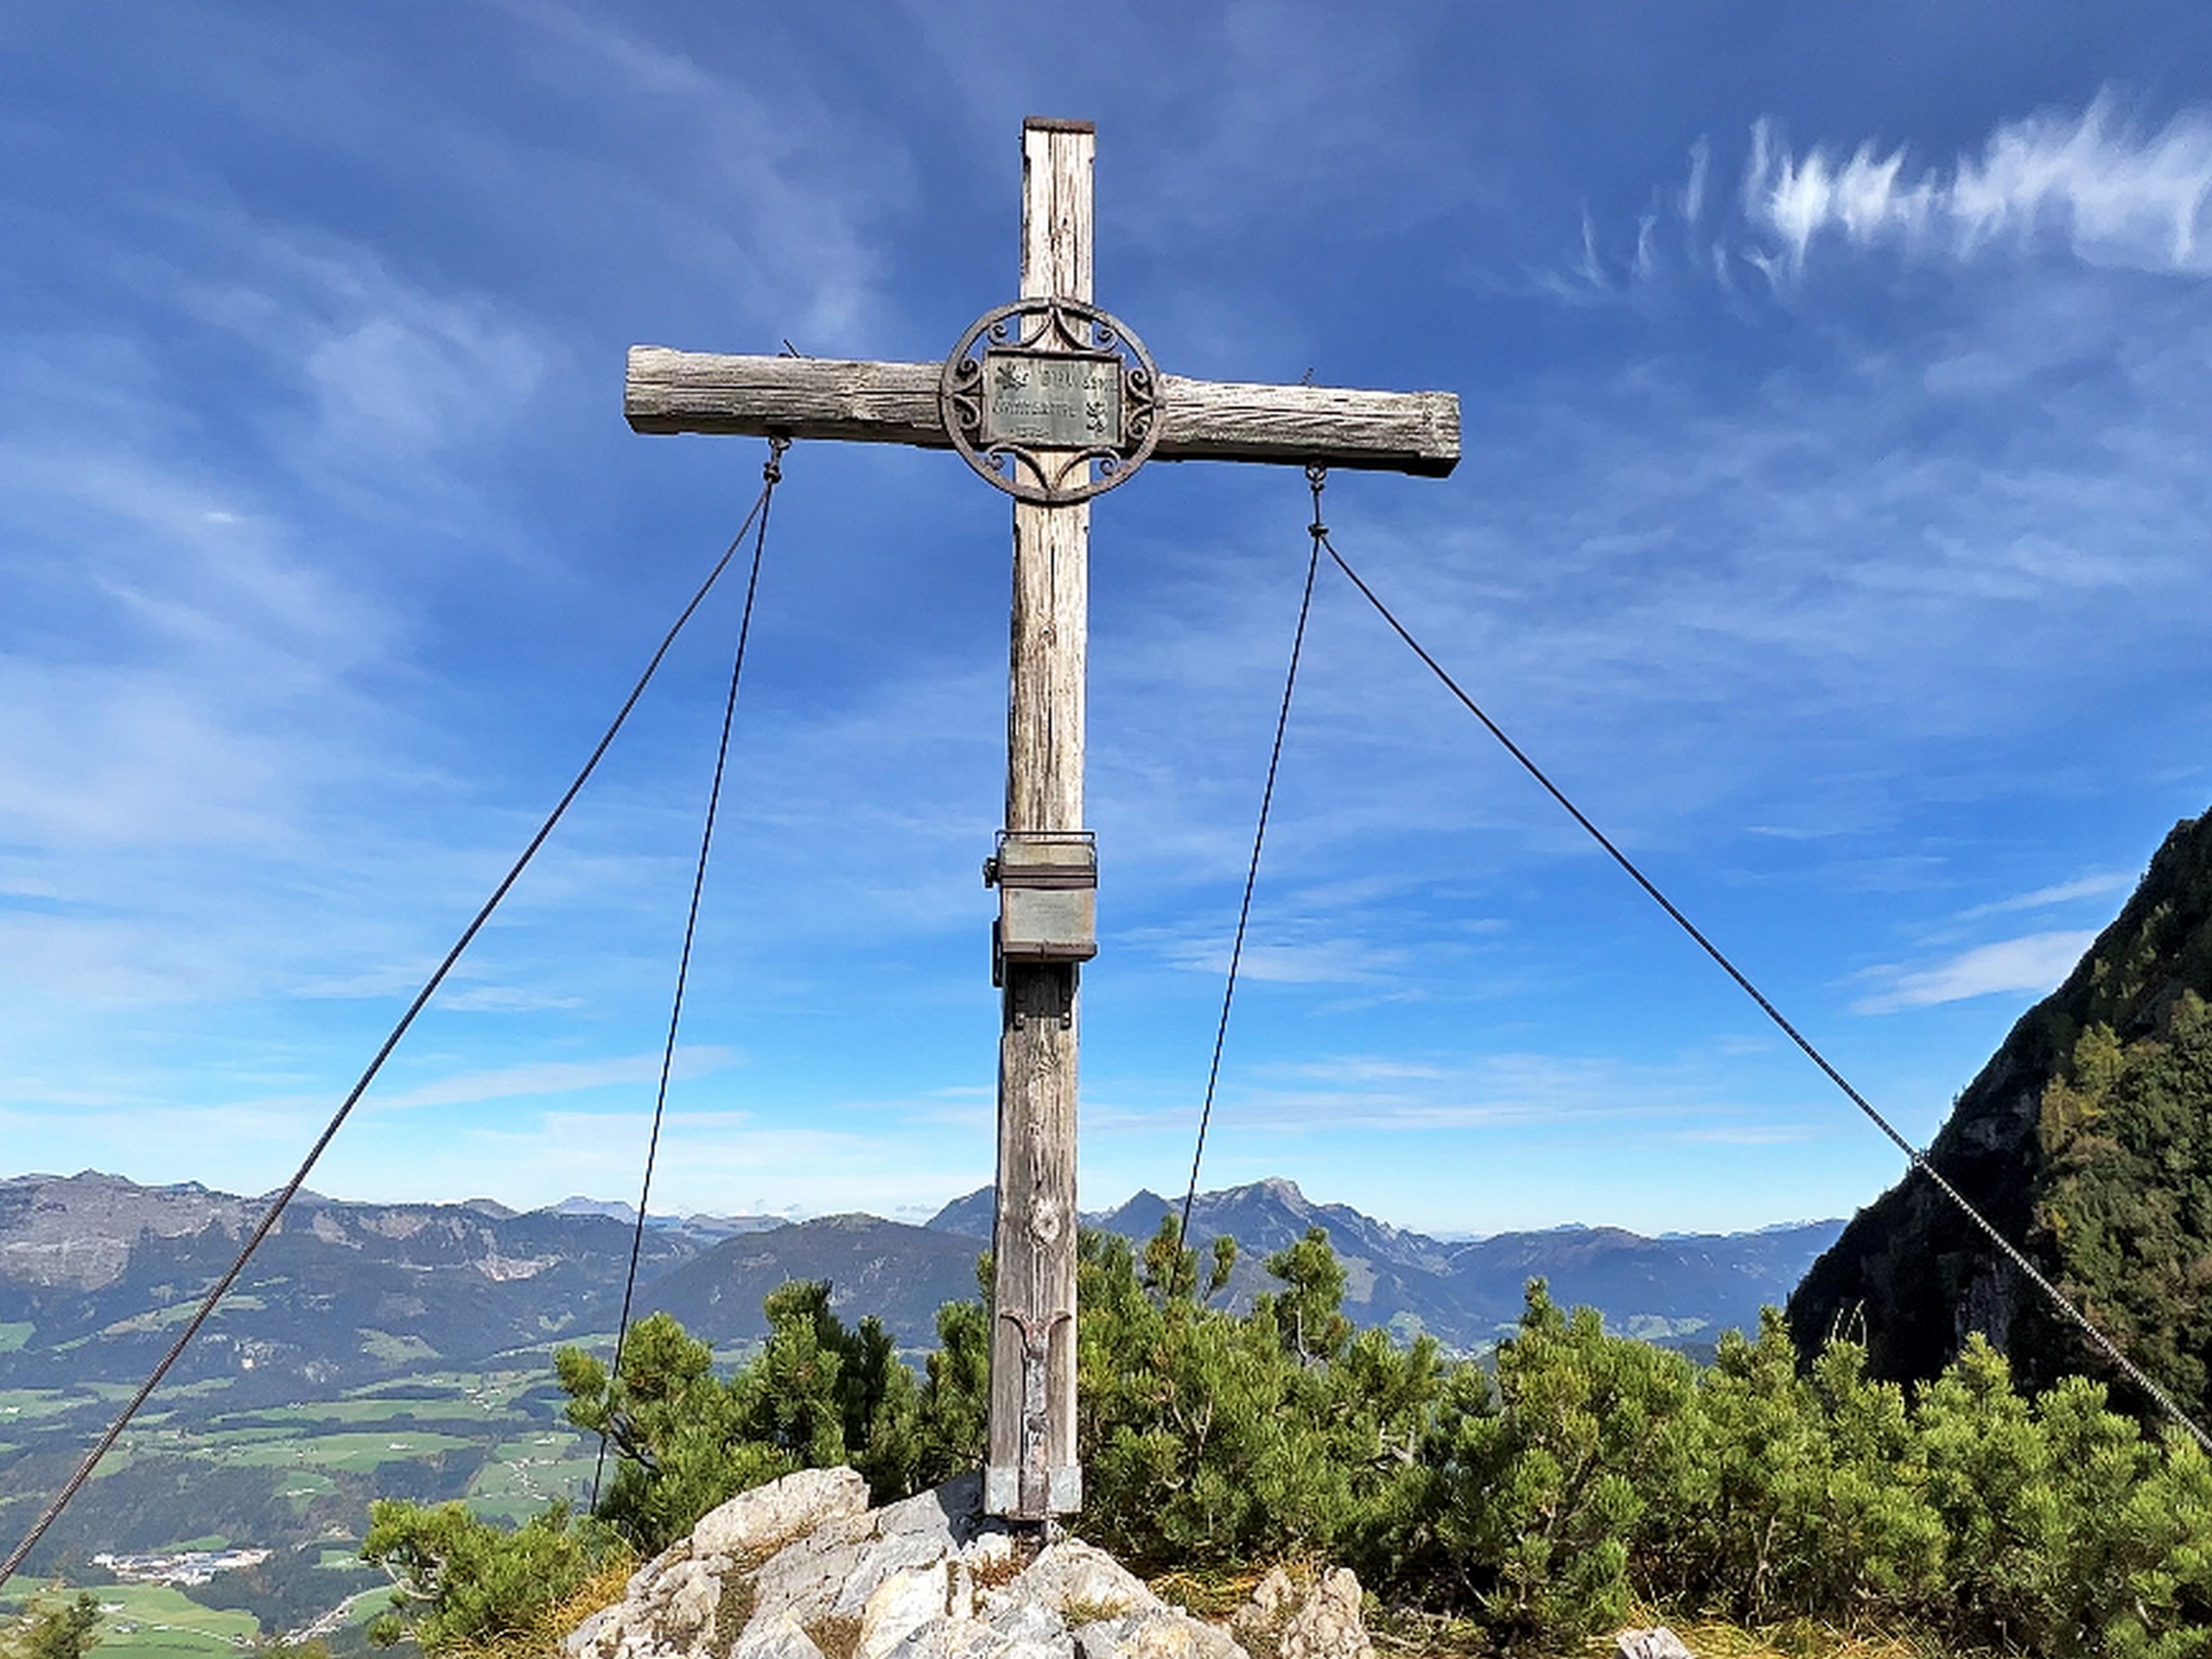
(1039, 392)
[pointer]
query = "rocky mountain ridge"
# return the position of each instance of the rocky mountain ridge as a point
(1682, 1286)
(95, 1271)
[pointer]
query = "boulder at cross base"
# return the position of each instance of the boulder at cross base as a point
(802, 1568)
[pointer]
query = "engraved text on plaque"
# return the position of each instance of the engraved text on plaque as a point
(1051, 399)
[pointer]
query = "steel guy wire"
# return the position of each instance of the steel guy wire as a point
(290, 1189)
(1317, 477)
(770, 475)
(1913, 1154)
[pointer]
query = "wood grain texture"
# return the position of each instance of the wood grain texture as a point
(1056, 159)
(1047, 659)
(799, 397)
(1035, 1235)
(1033, 1238)
(667, 391)
(1415, 432)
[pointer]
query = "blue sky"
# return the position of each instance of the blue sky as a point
(1832, 525)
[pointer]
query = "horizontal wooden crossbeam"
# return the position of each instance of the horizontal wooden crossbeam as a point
(818, 398)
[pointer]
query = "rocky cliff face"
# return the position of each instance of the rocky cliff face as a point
(2082, 1140)
(77, 1234)
(98, 1270)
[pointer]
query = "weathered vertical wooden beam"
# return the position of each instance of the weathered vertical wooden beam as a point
(1034, 1235)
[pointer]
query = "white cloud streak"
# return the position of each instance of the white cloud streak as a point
(542, 1078)
(2106, 193)
(2063, 892)
(2114, 196)
(2032, 962)
(1686, 1099)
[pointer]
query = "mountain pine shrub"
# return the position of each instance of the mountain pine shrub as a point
(817, 1393)
(1210, 1438)
(464, 1585)
(2124, 1196)
(1594, 1474)
(52, 1630)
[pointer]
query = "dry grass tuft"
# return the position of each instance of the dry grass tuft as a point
(1416, 1635)
(1080, 1612)
(543, 1637)
(1796, 1638)
(735, 1609)
(836, 1633)
(995, 1572)
(1209, 1591)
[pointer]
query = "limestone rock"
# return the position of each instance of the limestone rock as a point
(1074, 1578)
(768, 1517)
(1657, 1642)
(1157, 1632)
(802, 1569)
(830, 1573)
(1321, 1621)
(691, 1600)
(781, 1639)
(669, 1610)
(808, 1577)
(901, 1605)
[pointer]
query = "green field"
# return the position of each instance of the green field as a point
(161, 1318)
(396, 1349)
(296, 1479)
(293, 1418)
(16, 1404)
(142, 1620)
(524, 1475)
(358, 1452)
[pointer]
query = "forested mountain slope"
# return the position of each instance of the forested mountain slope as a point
(2087, 1138)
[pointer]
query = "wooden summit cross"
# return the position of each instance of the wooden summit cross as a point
(1053, 401)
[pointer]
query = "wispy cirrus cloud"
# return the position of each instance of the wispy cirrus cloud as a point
(2113, 196)
(1309, 962)
(392, 373)
(2063, 893)
(2108, 191)
(555, 1077)
(2033, 961)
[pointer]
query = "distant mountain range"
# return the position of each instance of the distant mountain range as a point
(709, 1228)
(1681, 1288)
(96, 1272)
